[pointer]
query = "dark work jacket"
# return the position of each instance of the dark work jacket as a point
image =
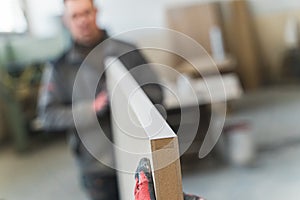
(56, 98)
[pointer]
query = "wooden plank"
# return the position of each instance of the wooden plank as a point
(166, 186)
(245, 45)
(196, 21)
(140, 131)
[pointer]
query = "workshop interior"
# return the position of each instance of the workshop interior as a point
(250, 47)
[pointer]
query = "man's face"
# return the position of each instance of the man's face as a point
(80, 18)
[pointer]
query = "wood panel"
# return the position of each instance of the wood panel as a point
(165, 184)
(140, 131)
(245, 44)
(196, 21)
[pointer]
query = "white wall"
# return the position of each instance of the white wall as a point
(119, 15)
(272, 6)
(115, 15)
(43, 16)
(123, 15)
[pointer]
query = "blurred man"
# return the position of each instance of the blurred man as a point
(56, 103)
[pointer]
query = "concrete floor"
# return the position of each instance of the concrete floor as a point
(46, 173)
(49, 172)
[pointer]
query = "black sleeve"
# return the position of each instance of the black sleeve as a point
(52, 111)
(145, 76)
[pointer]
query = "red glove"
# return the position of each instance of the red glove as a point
(144, 187)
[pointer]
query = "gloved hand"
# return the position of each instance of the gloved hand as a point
(100, 104)
(144, 187)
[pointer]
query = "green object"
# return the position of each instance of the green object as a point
(15, 118)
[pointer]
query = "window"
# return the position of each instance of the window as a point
(12, 18)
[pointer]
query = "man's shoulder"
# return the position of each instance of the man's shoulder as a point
(122, 42)
(118, 43)
(117, 47)
(115, 41)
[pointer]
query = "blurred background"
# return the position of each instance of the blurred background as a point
(256, 47)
